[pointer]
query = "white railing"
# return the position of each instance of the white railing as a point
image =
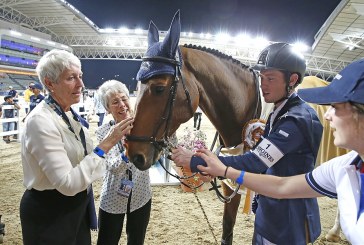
(85, 107)
(16, 119)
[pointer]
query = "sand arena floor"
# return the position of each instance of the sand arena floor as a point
(177, 217)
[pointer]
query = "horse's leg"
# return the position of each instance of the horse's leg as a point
(334, 234)
(229, 218)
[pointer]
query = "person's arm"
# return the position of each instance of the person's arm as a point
(112, 158)
(268, 185)
(115, 134)
(46, 148)
(16, 106)
(285, 139)
(182, 156)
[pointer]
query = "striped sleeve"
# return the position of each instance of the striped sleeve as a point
(314, 185)
(324, 178)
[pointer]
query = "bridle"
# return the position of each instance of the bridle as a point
(164, 144)
(167, 115)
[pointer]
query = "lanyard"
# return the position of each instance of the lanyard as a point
(54, 105)
(122, 152)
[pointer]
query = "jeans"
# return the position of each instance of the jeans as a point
(8, 126)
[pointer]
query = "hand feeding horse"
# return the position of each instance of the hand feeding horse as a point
(175, 81)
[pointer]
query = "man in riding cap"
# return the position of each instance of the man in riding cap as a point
(292, 135)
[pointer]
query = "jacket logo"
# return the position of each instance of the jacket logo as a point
(263, 153)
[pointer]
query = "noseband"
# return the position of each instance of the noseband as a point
(168, 110)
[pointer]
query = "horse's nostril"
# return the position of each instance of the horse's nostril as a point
(138, 160)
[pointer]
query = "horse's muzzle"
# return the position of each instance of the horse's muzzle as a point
(139, 161)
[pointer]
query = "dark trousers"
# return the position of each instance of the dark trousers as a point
(111, 226)
(49, 217)
(197, 120)
(101, 118)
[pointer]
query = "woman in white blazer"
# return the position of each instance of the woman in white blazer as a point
(59, 159)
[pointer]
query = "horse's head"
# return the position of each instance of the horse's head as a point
(160, 94)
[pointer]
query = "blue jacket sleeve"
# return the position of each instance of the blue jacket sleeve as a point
(287, 138)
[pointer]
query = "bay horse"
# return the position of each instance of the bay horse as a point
(175, 80)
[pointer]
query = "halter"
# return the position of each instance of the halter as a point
(168, 110)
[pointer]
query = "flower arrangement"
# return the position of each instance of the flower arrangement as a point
(192, 140)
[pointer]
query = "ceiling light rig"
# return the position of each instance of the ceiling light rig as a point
(222, 38)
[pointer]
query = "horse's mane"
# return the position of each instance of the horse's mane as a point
(217, 53)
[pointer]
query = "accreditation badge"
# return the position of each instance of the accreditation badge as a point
(125, 187)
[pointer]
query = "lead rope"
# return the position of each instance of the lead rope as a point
(202, 209)
(207, 220)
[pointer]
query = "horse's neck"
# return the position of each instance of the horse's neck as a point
(227, 118)
(228, 98)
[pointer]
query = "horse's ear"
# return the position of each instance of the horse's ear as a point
(153, 34)
(170, 42)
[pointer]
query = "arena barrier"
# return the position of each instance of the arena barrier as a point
(15, 119)
(82, 109)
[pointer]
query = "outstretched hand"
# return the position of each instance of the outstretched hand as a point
(116, 133)
(181, 156)
(122, 128)
(214, 166)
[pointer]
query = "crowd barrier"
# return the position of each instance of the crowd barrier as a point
(14, 119)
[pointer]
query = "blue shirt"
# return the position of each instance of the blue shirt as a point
(35, 100)
(8, 113)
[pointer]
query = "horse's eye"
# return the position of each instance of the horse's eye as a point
(159, 90)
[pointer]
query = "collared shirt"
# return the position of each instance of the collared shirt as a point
(340, 178)
(53, 158)
(275, 113)
(111, 201)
